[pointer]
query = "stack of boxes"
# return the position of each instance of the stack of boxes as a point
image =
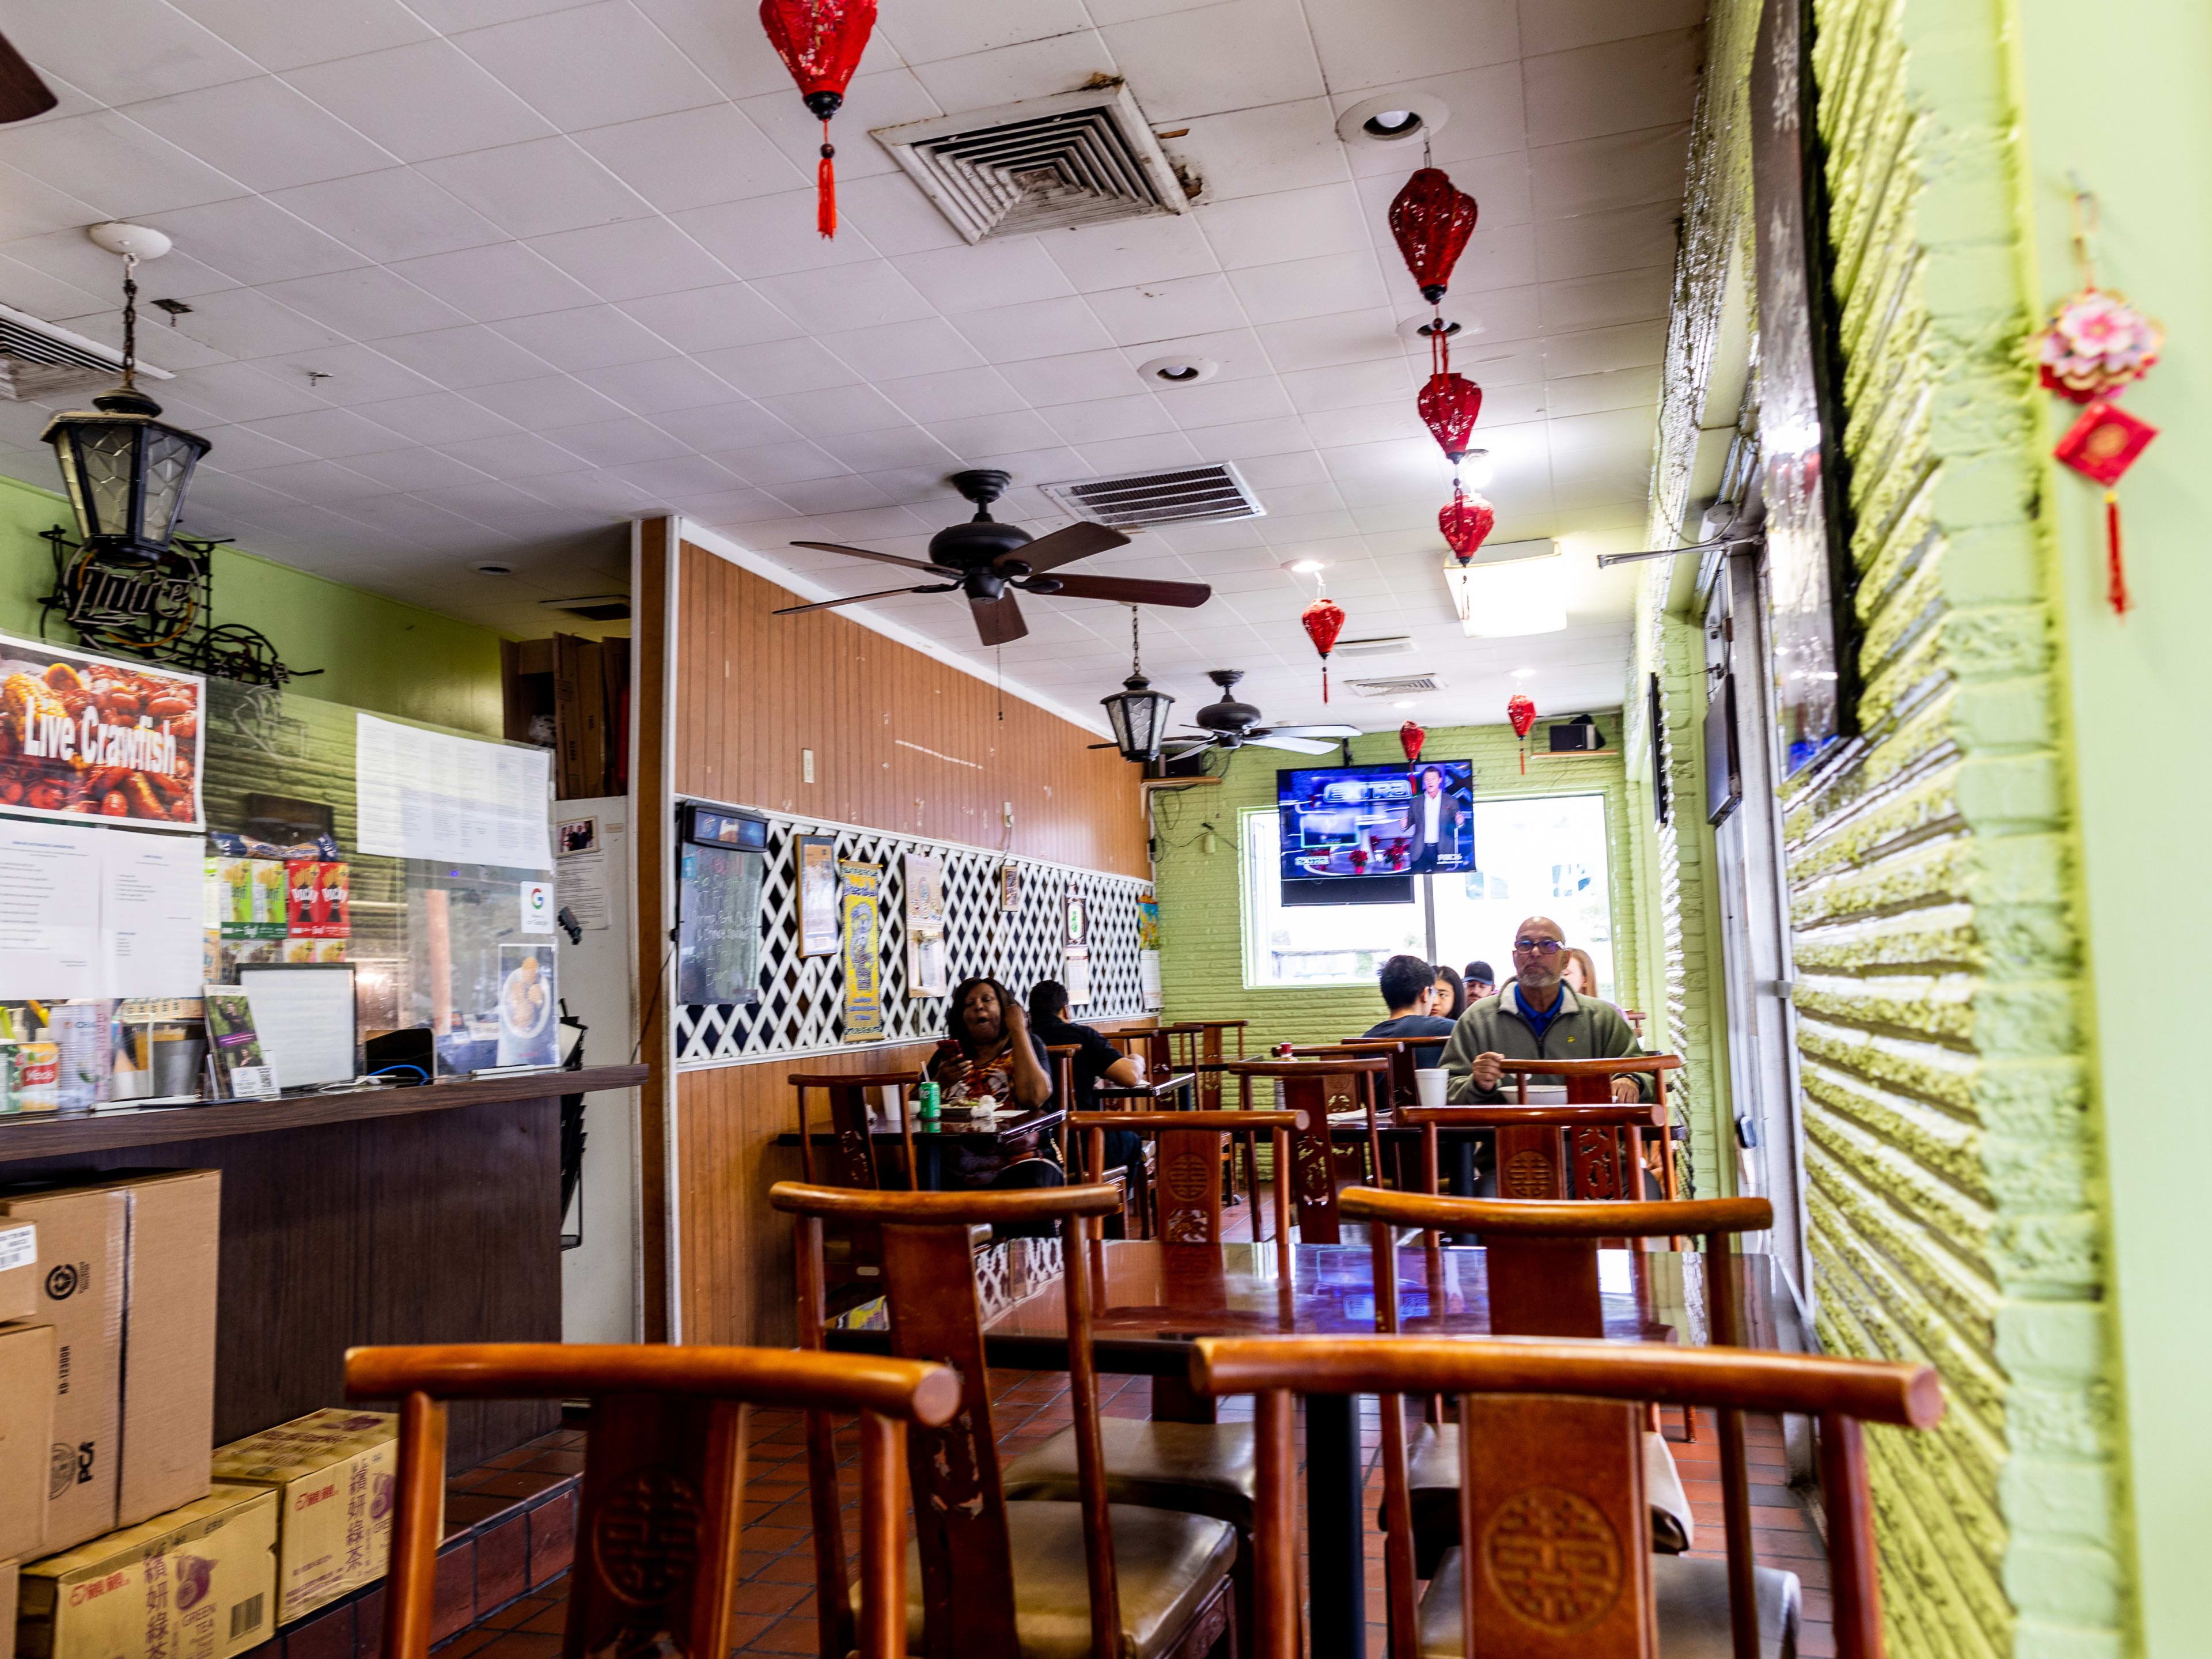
(119, 1537)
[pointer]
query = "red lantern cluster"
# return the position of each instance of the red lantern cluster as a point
(1410, 737)
(1465, 523)
(1323, 620)
(1522, 712)
(820, 42)
(1432, 219)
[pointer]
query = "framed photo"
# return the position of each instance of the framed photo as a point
(817, 896)
(1010, 887)
(1077, 934)
(927, 972)
(862, 886)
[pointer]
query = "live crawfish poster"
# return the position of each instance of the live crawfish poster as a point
(862, 906)
(83, 736)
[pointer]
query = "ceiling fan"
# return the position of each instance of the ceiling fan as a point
(23, 94)
(1232, 725)
(988, 561)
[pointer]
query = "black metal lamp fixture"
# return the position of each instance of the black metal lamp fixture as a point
(126, 471)
(1139, 714)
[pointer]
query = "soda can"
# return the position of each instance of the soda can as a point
(925, 1100)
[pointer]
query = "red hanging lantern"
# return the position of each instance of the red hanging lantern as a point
(820, 42)
(1410, 738)
(1465, 524)
(1432, 219)
(1449, 405)
(1323, 621)
(1523, 712)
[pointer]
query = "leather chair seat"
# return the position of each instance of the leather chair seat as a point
(1166, 1566)
(1198, 1468)
(1432, 1475)
(1692, 1597)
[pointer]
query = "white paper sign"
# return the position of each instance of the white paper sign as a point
(1148, 978)
(253, 1082)
(50, 884)
(537, 907)
(582, 887)
(151, 904)
(426, 795)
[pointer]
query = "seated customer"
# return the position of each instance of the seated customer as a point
(1481, 982)
(1409, 990)
(1536, 1018)
(1451, 995)
(989, 1057)
(1095, 1060)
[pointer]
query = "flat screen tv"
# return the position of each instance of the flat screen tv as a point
(1350, 831)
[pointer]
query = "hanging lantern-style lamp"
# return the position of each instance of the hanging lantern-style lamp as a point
(1138, 714)
(1323, 620)
(1432, 219)
(1465, 524)
(124, 469)
(1449, 405)
(1410, 737)
(1522, 711)
(820, 42)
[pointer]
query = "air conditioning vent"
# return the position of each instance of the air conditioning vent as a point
(1078, 158)
(39, 361)
(1396, 685)
(1381, 645)
(1196, 493)
(595, 607)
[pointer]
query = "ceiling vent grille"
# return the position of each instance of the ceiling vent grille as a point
(1078, 158)
(1381, 645)
(1215, 493)
(39, 361)
(1396, 685)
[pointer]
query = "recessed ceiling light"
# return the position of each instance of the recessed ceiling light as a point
(1179, 371)
(1524, 673)
(1415, 331)
(1392, 118)
(1476, 468)
(1401, 705)
(495, 570)
(1304, 567)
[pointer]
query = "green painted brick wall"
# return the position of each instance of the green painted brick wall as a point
(376, 653)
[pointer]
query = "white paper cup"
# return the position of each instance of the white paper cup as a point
(1430, 1083)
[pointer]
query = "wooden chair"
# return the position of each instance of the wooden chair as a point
(1541, 1262)
(1205, 1046)
(1060, 1578)
(853, 1255)
(662, 1507)
(1318, 1087)
(1552, 1488)
(1545, 1152)
(1589, 1082)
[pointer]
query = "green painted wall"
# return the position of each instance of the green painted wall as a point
(376, 653)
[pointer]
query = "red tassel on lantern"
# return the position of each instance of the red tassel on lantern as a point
(1449, 405)
(1323, 621)
(1410, 738)
(1432, 219)
(1523, 712)
(1465, 523)
(820, 42)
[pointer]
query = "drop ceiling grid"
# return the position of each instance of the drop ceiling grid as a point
(558, 264)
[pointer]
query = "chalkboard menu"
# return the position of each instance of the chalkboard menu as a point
(721, 855)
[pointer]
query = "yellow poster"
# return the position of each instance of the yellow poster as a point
(863, 972)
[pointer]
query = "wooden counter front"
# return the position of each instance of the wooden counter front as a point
(382, 1216)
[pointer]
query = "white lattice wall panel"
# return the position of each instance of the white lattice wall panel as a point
(802, 998)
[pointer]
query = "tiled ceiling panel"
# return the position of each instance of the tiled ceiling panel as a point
(476, 282)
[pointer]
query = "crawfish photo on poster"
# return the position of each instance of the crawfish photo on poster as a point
(86, 736)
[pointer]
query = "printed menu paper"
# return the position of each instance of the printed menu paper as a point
(150, 905)
(427, 795)
(50, 883)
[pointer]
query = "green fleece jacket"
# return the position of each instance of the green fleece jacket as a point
(1584, 1029)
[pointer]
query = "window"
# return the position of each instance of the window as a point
(1536, 855)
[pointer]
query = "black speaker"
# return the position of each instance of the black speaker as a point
(1578, 736)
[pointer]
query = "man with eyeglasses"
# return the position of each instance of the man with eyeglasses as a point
(1538, 1016)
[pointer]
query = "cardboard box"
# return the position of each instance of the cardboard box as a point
(19, 1271)
(83, 1241)
(27, 1438)
(336, 1475)
(168, 1329)
(198, 1582)
(8, 1579)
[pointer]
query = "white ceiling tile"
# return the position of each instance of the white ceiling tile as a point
(980, 436)
(588, 337)
(436, 418)
(242, 449)
(513, 455)
(1219, 402)
(1291, 468)
(110, 161)
(1508, 314)
(774, 367)
(773, 235)
(1098, 418)
(302, 31)
(491, 504)
(934, 29)
(71, 257)
(1175, 63)
(331, 434)
(694, 158)
(1591, 394)
(1108, 456)
(1488, 118)
(1332, 428)
(538, 188)
(1310, 288)
(33, 290)
(1128, 251)
(987, 275)
(28, 207)
(1618, 170)
(724, 426)
(1007, 74)
(1085, 374)
(1233, 440)
(262, 133)
(490, 284)
(619, 442)
(1619, 86)
(1601, 350)
(1325, 342)
(422, 100)
(894, 350)
(773, 465)
(931, 398)
(1349, 384)
(843, 494)
(141, 49)
(886, 97)
(415, 467)
(396, 214)
(546, 403)
(1274, 147)
(251, 239)
(678, 476)
(703, 319)
(1612, 239)
(244, 392)
(893, 215)
(459, 358)
(1289, 224)
(856, 297)
(591, 66)
(244, 322)
(403, 515)
(731, 48)
(317, 482)
(1042, 328)
(1157, 311)
(1370, 47)
(633, 261)
(893, 447)
(835, 411)
(668, 383)
(367, 304)
(1555, 25)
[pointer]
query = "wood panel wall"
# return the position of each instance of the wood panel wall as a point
(902, 741)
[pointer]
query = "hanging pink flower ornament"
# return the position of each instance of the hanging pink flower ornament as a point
(2096, 344)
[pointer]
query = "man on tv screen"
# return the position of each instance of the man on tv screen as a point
(1433, 817)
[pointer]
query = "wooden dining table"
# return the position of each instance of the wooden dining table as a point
(1156, 1298)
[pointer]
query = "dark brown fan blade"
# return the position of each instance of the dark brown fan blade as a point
(1133, 590)
(1077, 541)
(880, 558)
(22, 94)
(850, 599)
(998, 621)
